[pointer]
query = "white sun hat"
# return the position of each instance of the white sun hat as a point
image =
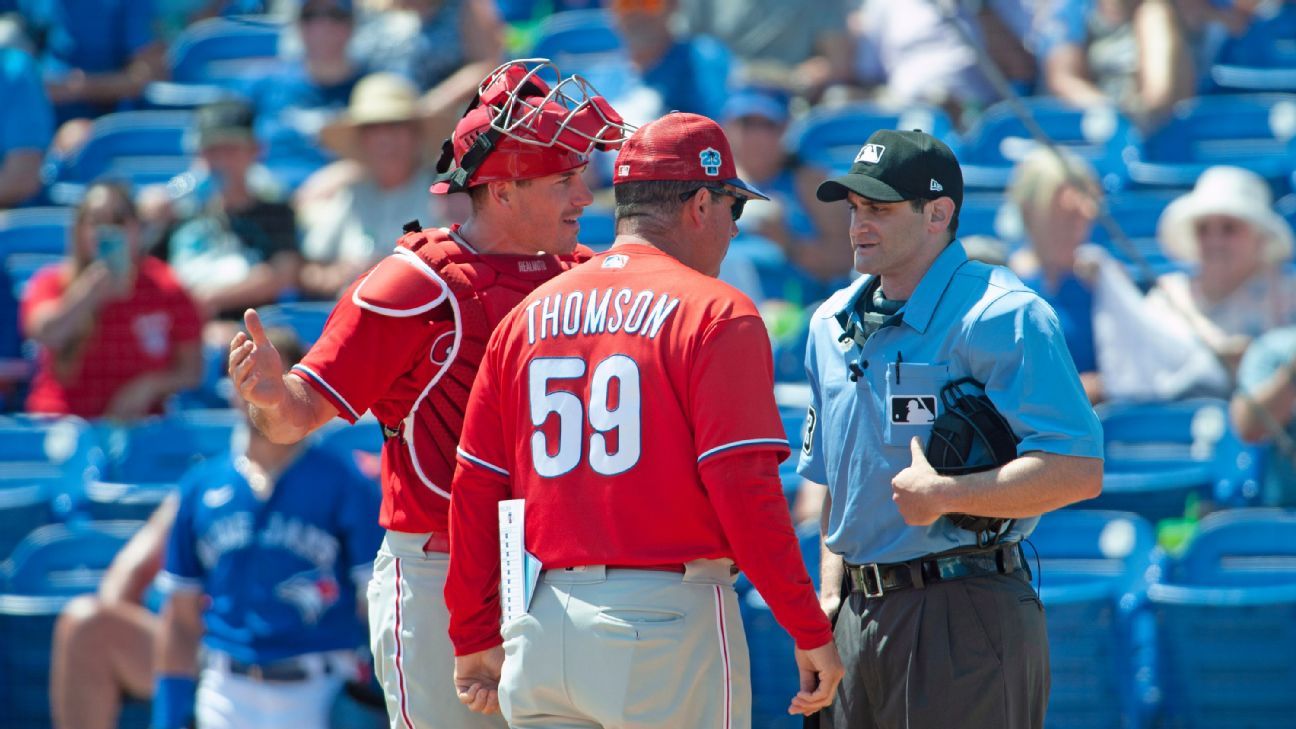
(1230, 191)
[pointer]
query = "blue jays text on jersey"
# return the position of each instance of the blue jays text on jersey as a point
(281, 573)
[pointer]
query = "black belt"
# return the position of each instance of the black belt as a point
(875, 580)
(289, 670)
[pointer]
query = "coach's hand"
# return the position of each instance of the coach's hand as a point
(916, 490)
(477, 677)
(254, 365)
(821, 670)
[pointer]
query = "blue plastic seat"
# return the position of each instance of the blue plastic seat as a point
(1263, 58)
(35, 230)
(25, 495)
(161, 450)
(1227, 617)
(563, 37)
(830, 138)
(47, 568)
(597, 228)
(1254, 131)
(219, 49)
(63, 449)
(1000, 139)
(139, 147)
(305, 318)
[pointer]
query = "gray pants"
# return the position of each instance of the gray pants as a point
(629, 649)
(970, 653)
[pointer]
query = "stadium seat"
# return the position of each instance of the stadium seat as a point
(585, 42)
(1261, 59)
(160, 450)
(1000, 139)
(35, 230)
(1226, 613)
(139, 147)
(1255, 131)
(305, 318)
(25, 495)
(597, 228)
(220, 49)
(830, 138)
(63, 449)
(20, 267)
(1092, 575)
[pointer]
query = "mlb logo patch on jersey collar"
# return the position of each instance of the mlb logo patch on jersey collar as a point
(616, 260)
(710, 160)
(870, 153)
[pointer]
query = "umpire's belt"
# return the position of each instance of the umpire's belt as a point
(875, 580)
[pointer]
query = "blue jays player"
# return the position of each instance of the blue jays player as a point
(268, 548)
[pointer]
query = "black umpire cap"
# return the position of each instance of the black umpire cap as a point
(895, 166)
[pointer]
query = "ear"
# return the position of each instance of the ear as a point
(939, 214)
(695, 209)
(501, 191)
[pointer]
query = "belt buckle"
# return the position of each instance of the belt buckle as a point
(865, 571)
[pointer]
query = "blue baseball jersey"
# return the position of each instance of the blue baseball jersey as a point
(281, 574)
(964, 319)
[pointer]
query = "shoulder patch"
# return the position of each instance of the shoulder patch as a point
(401, 285)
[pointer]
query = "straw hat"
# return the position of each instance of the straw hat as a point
(1230, 191)
(379, 98)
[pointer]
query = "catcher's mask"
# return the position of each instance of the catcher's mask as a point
(518, 127)
(968, 437)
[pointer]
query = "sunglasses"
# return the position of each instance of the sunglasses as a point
(335, 14)
(739, 202)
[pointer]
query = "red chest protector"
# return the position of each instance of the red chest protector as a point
(430, 269)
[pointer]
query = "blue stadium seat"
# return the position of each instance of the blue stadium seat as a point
(160, 450)
(305, 318)
(25, 495)
(1092, 579)
(1254, 131)
(109, 500)
(46, 569)
(140, 147)
(1226, 612)
(1000, 139)
(20, 267)
(1262, 59)
(65, 449)
(985, 213)
(1185, 441)
(597, 228)
(585, 42)
(220, 49)
(35, 230)
(830, 138)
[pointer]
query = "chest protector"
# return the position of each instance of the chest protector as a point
(431, 269)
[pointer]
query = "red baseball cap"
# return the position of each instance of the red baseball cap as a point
(680, 146)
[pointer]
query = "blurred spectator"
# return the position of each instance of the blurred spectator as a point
(1130, 52)
(803, 43)
(446, 47)
(26, 127)
(1058, 196)
(240, 249)
(1267, 399)
(813, 235)
(118, 334)
(266, 568)
(1227, 228)
(103, 643)
(914, 53)
(176, 15)
(683, 73)
(293, 105)
(353, 229)
(94, 54)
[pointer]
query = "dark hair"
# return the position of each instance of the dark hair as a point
(656, 199)
(918, 203)
(123, 205)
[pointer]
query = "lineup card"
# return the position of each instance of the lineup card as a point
(513, 577)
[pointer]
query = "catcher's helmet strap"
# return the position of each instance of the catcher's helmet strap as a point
(472, 159)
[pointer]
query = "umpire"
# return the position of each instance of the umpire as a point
(937, 625)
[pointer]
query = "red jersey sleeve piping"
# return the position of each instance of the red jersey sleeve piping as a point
(324, 388)
(782, 442)
(484, 464)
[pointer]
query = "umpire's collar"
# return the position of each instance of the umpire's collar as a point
(920, 307)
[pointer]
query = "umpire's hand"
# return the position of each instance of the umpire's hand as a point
(821, 670)
(477, 677)
(916, 490)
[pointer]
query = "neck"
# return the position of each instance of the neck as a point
(900, 285)
(236, 196)
(271, 457)
(488, 234)
(328, 71)
(670, 241)
(1217, 288)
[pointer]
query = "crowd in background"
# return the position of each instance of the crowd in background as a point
(302, 174)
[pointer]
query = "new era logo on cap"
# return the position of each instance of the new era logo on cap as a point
(936, 186)
(870, 153)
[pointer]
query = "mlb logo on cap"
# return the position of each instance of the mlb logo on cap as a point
(870, 153)
(710, 160)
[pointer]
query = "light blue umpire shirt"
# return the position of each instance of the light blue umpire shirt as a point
(964, 319)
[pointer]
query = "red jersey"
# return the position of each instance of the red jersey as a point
(602, 400)
(404, 342)
(135, 335)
